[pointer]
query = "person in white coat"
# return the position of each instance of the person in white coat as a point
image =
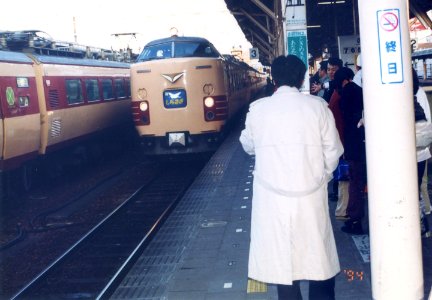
(297, 147)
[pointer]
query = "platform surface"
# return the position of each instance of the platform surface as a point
(201, 251)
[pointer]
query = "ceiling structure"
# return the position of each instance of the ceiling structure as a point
(262, 23)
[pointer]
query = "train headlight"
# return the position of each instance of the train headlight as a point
(142, 94)
(144, 106)
(209, 102)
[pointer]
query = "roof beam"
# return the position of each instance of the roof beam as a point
(258, 24)
(265, 9)
(263, 49)
(421, 15)
(260, 39)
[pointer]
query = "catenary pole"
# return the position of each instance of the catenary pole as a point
(396, 257)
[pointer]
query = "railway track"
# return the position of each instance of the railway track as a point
(106, 252)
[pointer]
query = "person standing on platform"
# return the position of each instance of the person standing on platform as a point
(296, 146)
(333, 64)
(422, 151)
(424, 103)
(331, 95)
(320, 80)
(341, 185)
(351, 105)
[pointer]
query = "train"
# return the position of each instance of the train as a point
(185, 94)
(52, 102)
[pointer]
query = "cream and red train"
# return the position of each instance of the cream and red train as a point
(184, 93)
(50, 102)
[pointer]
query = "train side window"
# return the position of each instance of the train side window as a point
(74, 93)
(128, 88)
(119, 86)
(107, 89)
(92, 90)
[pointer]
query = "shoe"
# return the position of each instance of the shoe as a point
(343, 218)
(353, 227)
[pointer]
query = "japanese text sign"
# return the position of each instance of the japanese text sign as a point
(390, 46)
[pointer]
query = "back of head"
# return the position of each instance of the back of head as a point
(323, 65)
(334, 61)
(342, 74)
(288, 70)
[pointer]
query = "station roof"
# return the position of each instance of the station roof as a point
(261, 22)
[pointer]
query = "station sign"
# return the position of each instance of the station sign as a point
(349, 49)
(295, 14)
(296, 33)
(253, 53)
(297, 44)
(390, 46)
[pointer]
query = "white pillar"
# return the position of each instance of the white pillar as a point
(396, 257)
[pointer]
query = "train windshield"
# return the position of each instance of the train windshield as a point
(178, 49)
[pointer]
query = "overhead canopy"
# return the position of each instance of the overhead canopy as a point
(261, 22)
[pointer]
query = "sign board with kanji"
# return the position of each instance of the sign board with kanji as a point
(390, 46)
(297, 44)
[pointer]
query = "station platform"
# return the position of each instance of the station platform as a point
(201, 251)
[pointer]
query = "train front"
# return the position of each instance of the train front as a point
(179, 100)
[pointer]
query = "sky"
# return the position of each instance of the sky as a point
(96, 21)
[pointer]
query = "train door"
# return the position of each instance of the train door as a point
(20, 118)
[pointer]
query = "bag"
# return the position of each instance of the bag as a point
(423, 134)
(342, 171)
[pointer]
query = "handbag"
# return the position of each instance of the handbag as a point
(342, 171)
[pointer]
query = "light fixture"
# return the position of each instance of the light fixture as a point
(313, 26)
(331, 2)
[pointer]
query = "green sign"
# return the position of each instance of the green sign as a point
(297, 44)
(10, 96)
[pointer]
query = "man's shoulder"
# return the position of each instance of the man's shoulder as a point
(314, 100)
(257, 102)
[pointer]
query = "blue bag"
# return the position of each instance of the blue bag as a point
(342, 171)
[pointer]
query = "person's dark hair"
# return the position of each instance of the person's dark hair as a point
(416, 82)
(288, 70)
(323, 66)
(342, 74)
(334, 61)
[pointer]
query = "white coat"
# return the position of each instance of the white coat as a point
(297, 148)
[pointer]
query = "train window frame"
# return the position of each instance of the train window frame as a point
(128, 87)
(194, 49)
(120, 89)
(22, 82)
(96, 92)
(111, 94)
(79, 99)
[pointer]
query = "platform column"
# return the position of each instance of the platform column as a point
(396, 257)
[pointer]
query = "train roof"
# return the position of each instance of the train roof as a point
(20, 57)
(14, 57)
(39, 42)
(178, 39)
(80, 61)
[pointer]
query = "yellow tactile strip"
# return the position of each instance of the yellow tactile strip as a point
(254, 286)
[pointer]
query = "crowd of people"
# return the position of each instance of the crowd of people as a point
(301, 143)
(344, 95)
